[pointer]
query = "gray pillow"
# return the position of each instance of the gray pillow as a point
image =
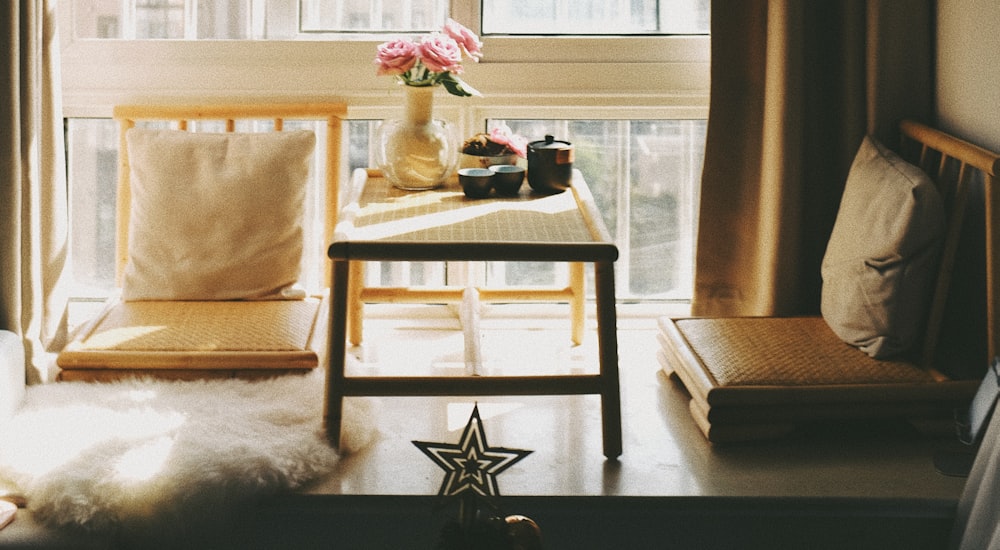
(882, 257)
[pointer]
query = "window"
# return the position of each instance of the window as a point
(282, 19)
(634, 104)
(594, 17)
(643, 176)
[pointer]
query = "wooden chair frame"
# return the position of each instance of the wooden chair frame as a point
(80, 361)
(730, 401)
(128, 115)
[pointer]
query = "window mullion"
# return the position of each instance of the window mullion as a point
(258, 19)
(190, 19)
(128, 19)
(623, 178)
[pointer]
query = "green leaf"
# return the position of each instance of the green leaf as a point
(457, 86)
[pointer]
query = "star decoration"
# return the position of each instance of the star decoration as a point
(471, 464)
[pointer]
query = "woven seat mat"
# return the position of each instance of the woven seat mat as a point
(387, 213)
(798, 351)
(205, 326)
(753, 378)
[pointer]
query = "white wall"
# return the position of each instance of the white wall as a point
(968, 70)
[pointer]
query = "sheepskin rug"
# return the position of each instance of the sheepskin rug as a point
(142, 455)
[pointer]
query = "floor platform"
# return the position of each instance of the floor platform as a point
(836, 485)
(847, 485)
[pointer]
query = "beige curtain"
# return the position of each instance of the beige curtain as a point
(32, 182)
(795, 86)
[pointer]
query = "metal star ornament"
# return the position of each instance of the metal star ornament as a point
(471, 465)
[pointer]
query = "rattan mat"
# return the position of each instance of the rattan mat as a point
(446, 215)
(205, 326)
(799, 351)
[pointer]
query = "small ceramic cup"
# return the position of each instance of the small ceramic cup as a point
(476, 182)
(507, 179)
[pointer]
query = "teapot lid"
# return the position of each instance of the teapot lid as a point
(549, 143)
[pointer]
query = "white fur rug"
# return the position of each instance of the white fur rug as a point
(142, 455)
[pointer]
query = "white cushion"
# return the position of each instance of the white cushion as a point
(882, 257)
(215, 216)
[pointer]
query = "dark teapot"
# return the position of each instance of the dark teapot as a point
(550, 165)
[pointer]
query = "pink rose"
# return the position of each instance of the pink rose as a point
(466, 39)
(396, 57)
(441, 54)
(504, 136)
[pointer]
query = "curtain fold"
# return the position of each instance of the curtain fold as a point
(795, 86)
(976, 525)
(33, 203)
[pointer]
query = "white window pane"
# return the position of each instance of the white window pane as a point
(360, 134)
(172, 19)
(159, 19)
(645, 177)
(97, 19)
(290, 19)
(366, 16)
(224, 19)
(92, 153)
(590, 17)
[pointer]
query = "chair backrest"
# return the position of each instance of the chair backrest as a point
(181, 116)
(951, 163)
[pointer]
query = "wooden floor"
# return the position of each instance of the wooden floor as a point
(863, 485)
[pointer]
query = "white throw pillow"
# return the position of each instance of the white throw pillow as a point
(215, 216)
(882, 257)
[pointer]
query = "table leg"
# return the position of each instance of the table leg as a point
(577, 300)
(607, 343)
(333, 404)
(356, 312)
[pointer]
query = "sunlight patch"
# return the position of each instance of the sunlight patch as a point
(458, 413)
(78, 429)
(145, 461)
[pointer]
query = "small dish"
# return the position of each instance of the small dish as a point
(507, 179)
(476, 182)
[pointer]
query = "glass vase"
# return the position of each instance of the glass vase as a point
(417, 151)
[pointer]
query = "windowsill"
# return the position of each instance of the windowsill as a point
(821, 484)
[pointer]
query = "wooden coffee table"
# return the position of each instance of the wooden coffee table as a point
(381, 223)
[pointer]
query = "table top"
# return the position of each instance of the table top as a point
(381, 222)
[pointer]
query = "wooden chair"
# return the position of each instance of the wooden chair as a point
(221, 337)
(763, 377)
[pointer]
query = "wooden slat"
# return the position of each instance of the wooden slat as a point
(992, 192)
(983, 159)
(204, 360)
(222, 111)
(965, 156)
(123, 202)
(472, 385)
(420, 295)
(935, 317)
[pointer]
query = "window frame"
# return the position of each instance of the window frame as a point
(521, 77)
(619, 73)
